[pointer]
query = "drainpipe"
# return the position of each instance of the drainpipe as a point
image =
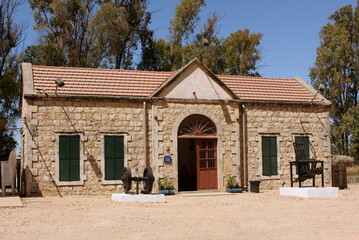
(244, 148)
(145, 134)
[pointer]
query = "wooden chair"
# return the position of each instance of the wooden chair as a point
(305, 168)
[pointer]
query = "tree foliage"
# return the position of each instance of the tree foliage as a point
(88, 33)
(184, 22)
(337, 68)
(238, 54)
(11, 36)
(67, 33)
(242, 53)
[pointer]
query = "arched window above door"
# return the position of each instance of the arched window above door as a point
(197, 125)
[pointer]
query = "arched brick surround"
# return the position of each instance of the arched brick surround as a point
(174, 140)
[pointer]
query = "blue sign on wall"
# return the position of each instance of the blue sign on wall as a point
(167, 159)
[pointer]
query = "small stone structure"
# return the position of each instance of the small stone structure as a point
(147, 116)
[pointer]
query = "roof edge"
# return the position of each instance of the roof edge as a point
(312, 90)
(239, 101)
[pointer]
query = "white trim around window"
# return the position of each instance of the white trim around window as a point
(83, 177)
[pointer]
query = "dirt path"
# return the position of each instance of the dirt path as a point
(266, 215)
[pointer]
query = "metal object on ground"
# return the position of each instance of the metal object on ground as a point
(127, 179)
(306, 168)
(339, 176)
(255, 186)
(147, 180)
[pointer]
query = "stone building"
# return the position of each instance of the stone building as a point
(191, 125)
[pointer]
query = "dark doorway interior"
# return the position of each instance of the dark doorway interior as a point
(187, 178)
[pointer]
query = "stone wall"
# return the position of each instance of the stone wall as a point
(166, 118)
(286, 122)
(93, 119)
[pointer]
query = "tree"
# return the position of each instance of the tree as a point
(129, 26)
(112, 24)
(68, 36)
(11, 36)
(242, 53)
(182, 26)
(88, 33)
(337, 67)
(156, 56)
(238, 54)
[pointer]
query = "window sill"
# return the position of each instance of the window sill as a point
(274, 177)
(111, 182)
(69, 183)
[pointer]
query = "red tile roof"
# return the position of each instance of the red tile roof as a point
(91, 81)
(130, 83)
(268, 89)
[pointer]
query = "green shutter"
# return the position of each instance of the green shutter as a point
(119, 157)
(114, 157)
(269, 156)
(64, 153)
(266, 156)
(69, 158)
(75, 158)
(273, 154)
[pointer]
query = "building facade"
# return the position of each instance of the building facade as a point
(190, 125)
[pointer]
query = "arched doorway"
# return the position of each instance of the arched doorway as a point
(197, 154)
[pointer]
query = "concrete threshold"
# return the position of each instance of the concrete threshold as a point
(10, 201)
(202, 193)
(310, 192)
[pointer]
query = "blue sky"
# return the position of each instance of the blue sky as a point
(290, 28)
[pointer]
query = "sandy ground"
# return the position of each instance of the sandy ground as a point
(265, 215)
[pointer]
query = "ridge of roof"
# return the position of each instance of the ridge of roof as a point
(252, 77)
(103, 69)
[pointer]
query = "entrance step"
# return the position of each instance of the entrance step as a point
(202, 193)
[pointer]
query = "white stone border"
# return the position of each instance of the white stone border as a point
(83, 176)
(174, 139)
(259, 172)
(101, 157)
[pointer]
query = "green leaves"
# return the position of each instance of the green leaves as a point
(242, 53)
(11, 36)
(238, 54)
(88, 33)
(337, 67)
(184, 22)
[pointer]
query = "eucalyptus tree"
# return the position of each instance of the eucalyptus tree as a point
(337, 68)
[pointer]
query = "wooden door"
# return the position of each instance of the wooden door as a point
(206, 152)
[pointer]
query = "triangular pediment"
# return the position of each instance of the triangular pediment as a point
(195, 81)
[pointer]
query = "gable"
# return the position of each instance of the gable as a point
(195, 83)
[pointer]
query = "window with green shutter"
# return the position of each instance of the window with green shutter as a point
(114, 157)
(305, 141)
(269, 156)
(69, 158)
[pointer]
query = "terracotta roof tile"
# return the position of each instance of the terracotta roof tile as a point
(90, 81)
(113, 82)
(268, 89)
